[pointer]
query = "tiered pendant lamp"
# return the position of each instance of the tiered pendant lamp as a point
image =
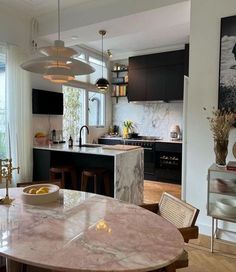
(57, 64)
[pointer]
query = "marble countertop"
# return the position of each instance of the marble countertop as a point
(154, 141)
(85, 150)
(86, 232)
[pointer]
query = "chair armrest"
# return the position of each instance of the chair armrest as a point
(154, 207)
(189, 233)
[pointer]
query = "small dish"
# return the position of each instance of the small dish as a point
(37, 199)
(228, 206)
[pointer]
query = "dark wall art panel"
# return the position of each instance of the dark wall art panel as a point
(227, 76)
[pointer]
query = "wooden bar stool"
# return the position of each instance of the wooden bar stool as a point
(95, 173)
(62, 170)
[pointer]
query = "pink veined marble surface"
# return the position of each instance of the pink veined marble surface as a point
(86, 232)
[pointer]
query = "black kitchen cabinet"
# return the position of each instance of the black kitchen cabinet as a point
(174, 82)
(137, 85)
(156, 91)
(168, 162)
(157, 77)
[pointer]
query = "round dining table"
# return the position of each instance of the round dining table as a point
(85, 232)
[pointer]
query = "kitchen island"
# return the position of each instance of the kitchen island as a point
(125, 167)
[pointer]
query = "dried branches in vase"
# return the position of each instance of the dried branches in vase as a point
(221, 123)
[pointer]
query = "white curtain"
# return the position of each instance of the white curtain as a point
(19, 114)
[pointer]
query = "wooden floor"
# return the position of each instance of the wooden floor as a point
(153, 190)
(200, 257)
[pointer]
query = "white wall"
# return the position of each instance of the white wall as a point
(203, 92)
(150, 118)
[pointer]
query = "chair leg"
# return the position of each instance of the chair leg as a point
(74, 179)
(95, 183)
(106, 180)
(63, 180)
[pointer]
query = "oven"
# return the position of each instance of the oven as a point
(149, 156)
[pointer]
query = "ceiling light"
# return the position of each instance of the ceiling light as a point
(109, 53)
(57, 64)
(102, 83)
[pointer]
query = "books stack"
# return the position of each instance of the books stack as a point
(231, 165)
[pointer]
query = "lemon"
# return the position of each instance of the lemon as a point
(33, 191)
(40, 191)
(44, 189)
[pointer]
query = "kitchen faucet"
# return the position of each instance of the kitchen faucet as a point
(80, 138)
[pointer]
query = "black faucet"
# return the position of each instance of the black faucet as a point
(80, 131)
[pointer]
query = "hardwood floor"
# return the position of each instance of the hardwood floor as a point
(200, 257)
(153, 190)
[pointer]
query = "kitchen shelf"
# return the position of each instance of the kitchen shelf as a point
(119, 83)
(119, 71)
(117, 97)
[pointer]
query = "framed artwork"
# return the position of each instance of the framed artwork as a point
(227, 71)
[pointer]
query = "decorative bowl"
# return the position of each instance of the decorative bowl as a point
(37, 199)
(228, 206)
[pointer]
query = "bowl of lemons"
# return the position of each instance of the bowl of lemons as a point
(40, 193)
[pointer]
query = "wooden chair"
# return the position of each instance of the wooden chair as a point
(62, 170)
(183, 216)
(93, 174)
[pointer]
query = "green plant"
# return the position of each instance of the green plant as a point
(128, 124)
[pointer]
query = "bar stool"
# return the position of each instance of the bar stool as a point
(95, 173)
(62, 170)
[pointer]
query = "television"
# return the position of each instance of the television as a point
(45, 102)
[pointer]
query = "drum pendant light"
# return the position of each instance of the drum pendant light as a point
(57, 63)
(102, 83)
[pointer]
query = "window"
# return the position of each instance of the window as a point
(82, 105)
(3, 126)
(74, 111)
(96, 109)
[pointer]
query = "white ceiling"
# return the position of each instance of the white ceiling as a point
(38, 7)
(140, 32)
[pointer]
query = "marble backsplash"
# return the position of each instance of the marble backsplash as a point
(150, 118)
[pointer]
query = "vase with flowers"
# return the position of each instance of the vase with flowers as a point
(221, 123)
(128, 126)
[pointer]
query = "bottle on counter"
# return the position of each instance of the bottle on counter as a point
(70, 142)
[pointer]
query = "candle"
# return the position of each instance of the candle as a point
(9, 141)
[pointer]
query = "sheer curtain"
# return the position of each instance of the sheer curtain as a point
(19, 114)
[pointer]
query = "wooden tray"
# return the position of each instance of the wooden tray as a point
(121, 147)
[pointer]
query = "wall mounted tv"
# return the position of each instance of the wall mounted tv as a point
(45, 102)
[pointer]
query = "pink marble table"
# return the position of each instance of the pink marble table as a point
(86, 232)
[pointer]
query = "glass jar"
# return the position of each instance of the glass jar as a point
(221, 151)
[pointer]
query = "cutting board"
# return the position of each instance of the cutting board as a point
(121, 147)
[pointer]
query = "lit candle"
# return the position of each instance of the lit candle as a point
(9, 139)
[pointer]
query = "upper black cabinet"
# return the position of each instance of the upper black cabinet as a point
(157, 77)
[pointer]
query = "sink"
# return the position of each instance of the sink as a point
(89, 145)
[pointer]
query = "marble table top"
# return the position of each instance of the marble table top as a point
(86, 232)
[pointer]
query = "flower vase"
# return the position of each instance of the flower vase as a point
(221, 151)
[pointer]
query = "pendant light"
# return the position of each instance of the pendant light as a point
(57, 64)
(102, 83)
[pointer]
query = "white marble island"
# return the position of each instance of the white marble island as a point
(126, 167)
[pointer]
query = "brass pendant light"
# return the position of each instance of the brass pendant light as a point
(57, 64)
(102, 83)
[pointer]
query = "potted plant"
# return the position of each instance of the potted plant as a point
(128, 126)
